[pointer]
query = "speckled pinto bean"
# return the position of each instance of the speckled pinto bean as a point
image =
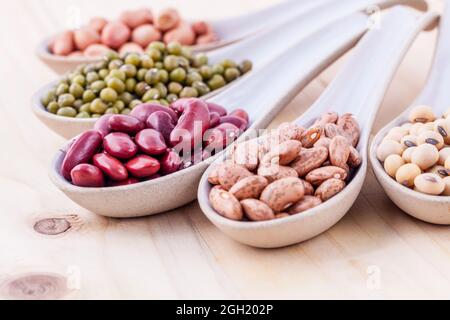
(309, 189)
(225, 204)
(320, 175)
(256, 210)
(281, 194)
(311, 136)
(250, 187)
(283, 154)
(339, 151)
(290, 131)
(229, 174)
(332, 130)
(354, 158)
(307, 203)
(309, 159)
(273, 172)
(350, 128)
(81, 151)
(323, 142)
(327, 118)
(329, 189)
(246, 154)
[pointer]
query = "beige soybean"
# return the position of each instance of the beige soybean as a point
(425, 156)
(429, 126)
(415, 128)
(422, 114)
(442, 126)
(407, 154)
(407, 173)
(392, 164)
(440, 171)
(431, 137)
(396, 134)
(388, 147)
(409, 141)
(444, 154)
(429, 183)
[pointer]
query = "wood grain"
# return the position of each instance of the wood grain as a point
(375, 252)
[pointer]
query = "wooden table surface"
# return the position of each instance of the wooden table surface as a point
(375, 252)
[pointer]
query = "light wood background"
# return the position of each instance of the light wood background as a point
(375, 252)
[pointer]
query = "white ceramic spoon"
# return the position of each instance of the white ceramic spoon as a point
(260, 49)
(261, 98)
(358, 89)
(433, 209)
(229, 30)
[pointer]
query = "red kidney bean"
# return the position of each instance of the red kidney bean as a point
(87, 176)
(143, 166)
(238, 122)
(120, 145)
(171, 162)
(192, 124)
(125, 182)
(213, 107)
(81, 151)
(110, 166)
(178, 105)
(221, 136)
(102, 125)
(143, 111)
(127, 124)
(241, 114)
(162, 122)
(151, 142)
(214, 119)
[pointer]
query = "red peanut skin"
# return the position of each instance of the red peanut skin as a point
(167, 19)
(110, 166)
(222, 135)
(81, 151)
(143, 166)
(182, 34)
(196, 114)
(120, 145)
(170, 163)
(115, 34)
(63, 44)
(143, 111)
(161, 121)
(124, 123)
(237, 121)
(87, 176)
(102, 125)
(125, 182)
(201, 28)
(213, 107)
(240, 114)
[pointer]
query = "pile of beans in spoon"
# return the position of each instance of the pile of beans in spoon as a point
(151, 142)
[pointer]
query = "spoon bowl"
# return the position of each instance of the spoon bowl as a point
(379, 54)
(296, 67)
(432, 209)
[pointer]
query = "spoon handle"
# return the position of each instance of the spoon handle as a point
(263, 92)
(361, 85)
(437, 90)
